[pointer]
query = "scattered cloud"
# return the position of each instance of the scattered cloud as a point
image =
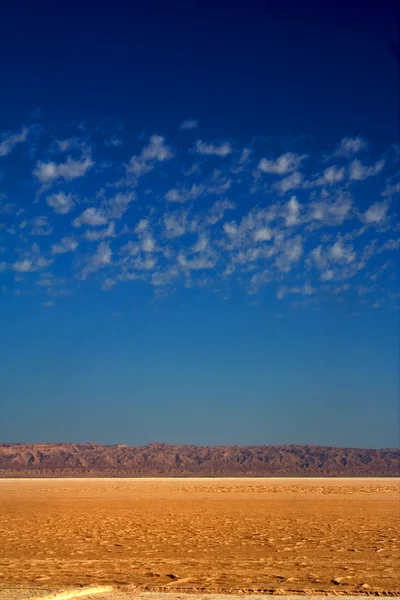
(349, 146)
(101, 258)
(9, 141)
(189, 124)
(284, 164)
(66, 244)
(210, 149)
(90, 216)
(359, 172)
(61, 203)
(376, 213)
(156, 151)
(271, 222)
(49, 172)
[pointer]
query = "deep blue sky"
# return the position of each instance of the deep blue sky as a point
(199, 223)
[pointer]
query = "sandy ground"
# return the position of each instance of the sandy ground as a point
(219, 535)
(89, 594)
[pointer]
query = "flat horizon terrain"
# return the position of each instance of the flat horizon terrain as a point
(273, 535)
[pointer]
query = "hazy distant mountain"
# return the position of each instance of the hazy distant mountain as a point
(51, 460)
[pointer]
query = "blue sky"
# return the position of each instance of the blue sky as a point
(199, 228)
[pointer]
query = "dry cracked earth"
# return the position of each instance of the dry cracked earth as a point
(324, 536)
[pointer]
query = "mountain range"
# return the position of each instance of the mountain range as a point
(170, 460)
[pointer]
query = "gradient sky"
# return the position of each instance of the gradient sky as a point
(199, 229)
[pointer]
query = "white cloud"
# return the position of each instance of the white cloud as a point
(90, 216)
(94, 235)
(331, 212)
(264, 234)
(290, 252)
(32, 261)
(8, 143)
(376, 213)
(292, 212)
(184, 194)
(201, 261)
(114, 141)
(148, 244)
(341, 253)
(66, 244)
(189, 124)
(286, 163)
(291, 182)
(40, 226)
(359, 172)
(217, 211)
(201, 244)
(155, 151)
(61, 203)
(100, 259)
(349, 146)
(175, 224)
(391, 189)
(212, 149)
(143, 225)
(330, 176)
(304, 290)
(48, 172)
(116, 207)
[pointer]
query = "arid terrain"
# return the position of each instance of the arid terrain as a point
(222, 535)
(169, 460)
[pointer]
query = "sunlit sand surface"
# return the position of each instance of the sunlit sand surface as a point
(222, 535)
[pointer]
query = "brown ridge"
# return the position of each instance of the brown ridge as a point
(170, 460)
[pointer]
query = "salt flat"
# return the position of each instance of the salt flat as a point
(307, 536)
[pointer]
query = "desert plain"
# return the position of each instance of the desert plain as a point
(265, 535)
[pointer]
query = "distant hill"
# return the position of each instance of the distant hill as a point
(167, 460)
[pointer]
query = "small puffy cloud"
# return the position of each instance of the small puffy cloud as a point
(331, 212)
(263, 234)
(40, 226)
(189, 124)
(376, 213)
(91, 216)
(292, 212)
(359, 172)
(48, 172)
(143, 225)
(293, 181)
(94, 235)
(349, 146)
(201, 244)
(61, 203)
(245, 155)
(8, 143)
(156, 151)
(116, 207)
(390, 190)
(217, 211)
(341, 253)
(206, 149)
(304, 290)
(330, 176)
(201, 261)
(175, 224)
(100, 259)
(31, 261)
(184, 194)
(114, 141)
(148, 244)
(286, 163)
(66, 244)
